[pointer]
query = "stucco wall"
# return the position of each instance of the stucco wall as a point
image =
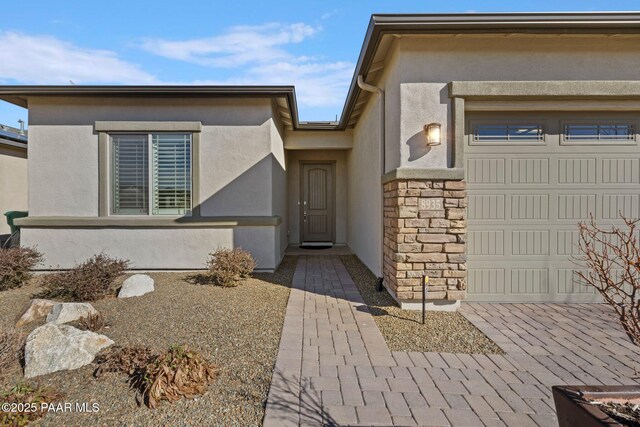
(364, 223)
(169, 248)
(318, 140)
(426, 64)
(13, 183)
(294, 157)
(279, 182)
(241, 174)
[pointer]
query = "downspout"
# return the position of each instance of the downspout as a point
(375, 89)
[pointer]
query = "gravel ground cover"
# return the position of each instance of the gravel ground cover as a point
(238, 329)
(403, 330)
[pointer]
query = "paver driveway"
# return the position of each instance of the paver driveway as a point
(334, 367)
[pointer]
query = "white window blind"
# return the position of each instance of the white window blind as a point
(151, 170)
(171, 174)
(130, 174)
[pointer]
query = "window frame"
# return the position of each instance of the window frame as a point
(595, 141)
(541, 124)
(150, 175)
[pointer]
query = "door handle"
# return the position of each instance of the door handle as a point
(305, 216)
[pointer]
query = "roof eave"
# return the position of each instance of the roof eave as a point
(543, 22)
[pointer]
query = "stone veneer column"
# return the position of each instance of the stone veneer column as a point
(425, 233)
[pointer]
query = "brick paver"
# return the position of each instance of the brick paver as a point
(334, 367)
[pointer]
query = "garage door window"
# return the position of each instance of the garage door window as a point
(507, 133)
(598, 132)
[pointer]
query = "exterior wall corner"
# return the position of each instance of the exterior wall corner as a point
(425, 229)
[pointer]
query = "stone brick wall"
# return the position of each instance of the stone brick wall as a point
(425, 233)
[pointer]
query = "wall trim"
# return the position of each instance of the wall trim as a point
(554, 105)
(149, 126)
(147, 222)
(409, 173)
(550, 88)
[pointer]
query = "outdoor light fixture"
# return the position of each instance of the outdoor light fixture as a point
(432, 134)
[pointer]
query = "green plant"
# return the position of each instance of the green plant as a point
(32, 400)
(11, 348)
(180, 372)
(89, 281)
(227, 266)
(16, 265)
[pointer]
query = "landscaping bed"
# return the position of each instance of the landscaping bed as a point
(236, 328)
(443, 332)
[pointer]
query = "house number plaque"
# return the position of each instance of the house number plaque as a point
(430, 204)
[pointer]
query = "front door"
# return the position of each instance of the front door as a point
(317, 211)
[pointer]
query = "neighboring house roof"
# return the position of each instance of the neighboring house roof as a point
(13, 137)
(379, 26)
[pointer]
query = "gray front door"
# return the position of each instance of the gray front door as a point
(317, 202)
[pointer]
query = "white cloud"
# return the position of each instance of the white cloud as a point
(48, 60)
(259, 56)
(238, 46)
(255, 55)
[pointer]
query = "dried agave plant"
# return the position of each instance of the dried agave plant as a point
(128, 360)
(92, 322)
(180, 372)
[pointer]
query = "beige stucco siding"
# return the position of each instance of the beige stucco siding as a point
(236, 170)
(63, 170)
(294, 159)
(279, 183)
(364, 224)
(425, 65)
(13, 183)
(173, 248)
(241, 163)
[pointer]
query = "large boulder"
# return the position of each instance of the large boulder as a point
(136, 285)
(34, 310)
(69, 312)
(53, 347)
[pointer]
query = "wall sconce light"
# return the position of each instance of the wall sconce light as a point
(432, 134)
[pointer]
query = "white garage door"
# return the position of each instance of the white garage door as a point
(531, 178)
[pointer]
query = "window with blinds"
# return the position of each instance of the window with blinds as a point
(130, 174)
(171, 174)
(151, 174)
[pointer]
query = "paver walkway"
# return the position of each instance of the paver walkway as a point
(334, 367)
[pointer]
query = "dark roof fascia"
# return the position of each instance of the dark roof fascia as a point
(13, 144)
(533, 23)
(17, 94)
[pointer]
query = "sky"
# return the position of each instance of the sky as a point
(311, 44)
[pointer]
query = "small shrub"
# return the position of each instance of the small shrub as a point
(92, 322)
(228, 266)
(610, 261)
(11, 348)
(179, 372)
(89, 281)
(22, 394)
(16, 265)
(127, 360)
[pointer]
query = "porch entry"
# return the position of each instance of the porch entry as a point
(317, 204)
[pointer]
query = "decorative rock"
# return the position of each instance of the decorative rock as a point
(69, 312)
(34, 310)
(53, 347)
(136, 285)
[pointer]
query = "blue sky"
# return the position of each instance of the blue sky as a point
(312, 44)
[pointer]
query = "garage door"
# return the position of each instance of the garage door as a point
(531, 178)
